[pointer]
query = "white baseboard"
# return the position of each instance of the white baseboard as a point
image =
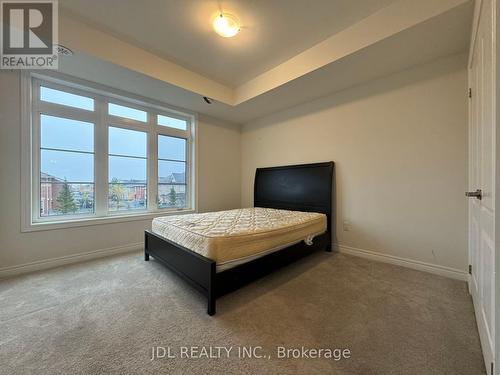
(373, 255)
(404, 262)
(68, 259)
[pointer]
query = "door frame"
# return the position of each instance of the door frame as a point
(496, 118)
(474, 31)
(496, 93)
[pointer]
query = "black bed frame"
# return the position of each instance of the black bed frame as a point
(306, 187)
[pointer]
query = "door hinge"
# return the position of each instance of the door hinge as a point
(469, 93)
(470, 269)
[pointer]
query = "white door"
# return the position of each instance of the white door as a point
(482, 177)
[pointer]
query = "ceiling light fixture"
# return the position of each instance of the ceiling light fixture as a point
(226, 25)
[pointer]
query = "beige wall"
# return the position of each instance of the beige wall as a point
(399, 145)
(218, 188)
(219, 165)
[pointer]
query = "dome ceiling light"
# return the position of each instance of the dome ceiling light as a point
(226, 25)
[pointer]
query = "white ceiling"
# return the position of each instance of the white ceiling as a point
(440, 36)
(180, 30)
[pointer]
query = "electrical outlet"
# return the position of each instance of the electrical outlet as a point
(346, 225)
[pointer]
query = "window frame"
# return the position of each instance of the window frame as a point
(33, 107)
(158, 159)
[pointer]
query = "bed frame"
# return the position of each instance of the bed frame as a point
(306, 187)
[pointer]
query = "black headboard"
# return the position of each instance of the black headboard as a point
(305, 187)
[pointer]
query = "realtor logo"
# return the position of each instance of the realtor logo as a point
(29, 34)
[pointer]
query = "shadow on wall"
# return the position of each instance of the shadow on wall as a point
(393, 140)
(366, 89)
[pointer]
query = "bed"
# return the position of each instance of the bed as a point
(218, 252)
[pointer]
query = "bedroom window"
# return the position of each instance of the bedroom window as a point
(127, 170)
(96, 155)
(172, 172)
(127, 112)
(172, 122)
(66, 166)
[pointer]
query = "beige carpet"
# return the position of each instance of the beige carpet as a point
(104, 317)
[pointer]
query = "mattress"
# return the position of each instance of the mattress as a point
(235, 236)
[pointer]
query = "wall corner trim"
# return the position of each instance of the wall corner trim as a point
(404, 262)
(68, 259)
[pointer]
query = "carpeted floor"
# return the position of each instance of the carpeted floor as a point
(105, 316)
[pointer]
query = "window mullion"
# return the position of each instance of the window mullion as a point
(101, 159)
(163, 130)
(35, 176)
(188, 178)
(152, 164)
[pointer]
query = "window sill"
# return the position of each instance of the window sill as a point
(91, 221)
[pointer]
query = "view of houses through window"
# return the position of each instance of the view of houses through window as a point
(127, 170)
(67, 166)
(171, 172)
(70, 162)
(58, 197)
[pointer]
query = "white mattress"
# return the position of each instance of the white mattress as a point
(236, 262)
(237, 236)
